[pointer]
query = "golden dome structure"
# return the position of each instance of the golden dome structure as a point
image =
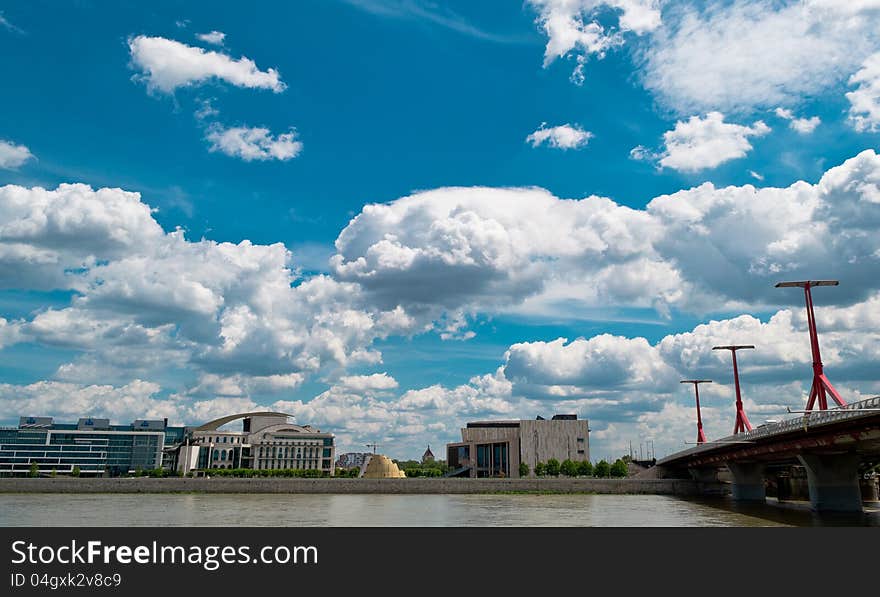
(382, 467)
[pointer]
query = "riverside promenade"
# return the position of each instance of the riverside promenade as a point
(678, 487)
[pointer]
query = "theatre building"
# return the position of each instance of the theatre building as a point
(266, 440)
(496, 448)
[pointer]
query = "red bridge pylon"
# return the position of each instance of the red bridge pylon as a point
(701, 437)
(742, 421)
(821, 384)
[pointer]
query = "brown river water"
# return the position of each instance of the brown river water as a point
(299, 510)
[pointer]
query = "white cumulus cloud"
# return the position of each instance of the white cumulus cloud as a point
(804, 126)
(253, 143)
(573, 26)
(166, 65)
(12, 156)
(864, 111)
(700, 143)
(364, 383)
(753, 54)
(477, 250)
(214, 37)
(564, 136)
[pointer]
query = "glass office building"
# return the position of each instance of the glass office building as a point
(91, 445)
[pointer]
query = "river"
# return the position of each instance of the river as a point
(298, 510)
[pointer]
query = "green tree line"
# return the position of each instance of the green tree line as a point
(571, 468)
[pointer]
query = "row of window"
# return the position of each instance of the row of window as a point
(296, 464)
(234, 439)
(224, 439)
(277, 452)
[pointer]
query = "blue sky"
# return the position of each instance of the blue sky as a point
(530, 139)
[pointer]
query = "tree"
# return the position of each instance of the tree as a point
(553, 467)
(602, 469)
(569, 468)
(619, 468)
(35, 470)
(585, 468)
(75, 472)
(540, 469)
(523, 469)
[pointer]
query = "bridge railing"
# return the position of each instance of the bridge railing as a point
(808, 420)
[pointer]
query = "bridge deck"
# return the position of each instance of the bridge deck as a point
(813, 424)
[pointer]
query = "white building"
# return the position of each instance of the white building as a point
(266, 441)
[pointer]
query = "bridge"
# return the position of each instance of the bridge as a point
(830, 444)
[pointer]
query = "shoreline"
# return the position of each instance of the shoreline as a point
(419, 485)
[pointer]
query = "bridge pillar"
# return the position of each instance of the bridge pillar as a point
(704, 475)
(748, 481)
(834, 481)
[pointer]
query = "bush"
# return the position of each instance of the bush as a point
(523, 469)
(602, 469)
(75, 472)
(35, 470)
(585, 468)
(569, 468)
(540, 469)
(553, 467)
(619, 468)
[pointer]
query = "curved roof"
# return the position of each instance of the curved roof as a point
(382, 467)
(287, 427)
(217, 423)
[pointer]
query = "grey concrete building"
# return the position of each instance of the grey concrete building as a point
(496, 448)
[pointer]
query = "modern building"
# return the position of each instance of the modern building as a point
(496, 448)
(353, 460)
(94, 446)
(266, 441)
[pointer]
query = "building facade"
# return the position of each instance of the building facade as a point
(266, 441)
(353, 460)
(93, 446)
(496, 448)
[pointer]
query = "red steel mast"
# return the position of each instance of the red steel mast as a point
(742, 421)
(821, 384)
(701, 437)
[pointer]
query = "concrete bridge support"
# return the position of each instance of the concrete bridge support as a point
(704, 475)
(834, 482)
(748, 481)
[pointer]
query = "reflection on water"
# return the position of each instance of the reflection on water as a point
(405, 510)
